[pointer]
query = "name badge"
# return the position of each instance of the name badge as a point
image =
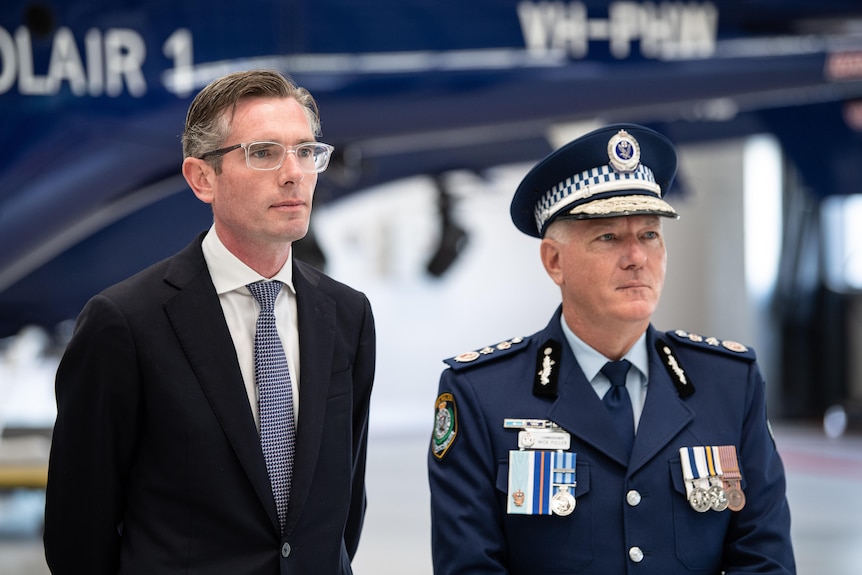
(550, 439)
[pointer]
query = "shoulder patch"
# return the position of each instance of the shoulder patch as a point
(487, 353)
(726, 346)
(445, 424)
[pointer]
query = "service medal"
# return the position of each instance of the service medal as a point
(563, 502)
(731, 477)
(541, 482)
(717, 498)
(696, 477)
(735, 499)
(699, 500)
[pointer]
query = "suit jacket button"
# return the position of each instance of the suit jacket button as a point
(636, 555)
(633, 498)
(285, 550)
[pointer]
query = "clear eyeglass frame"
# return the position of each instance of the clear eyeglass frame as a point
(312, 157)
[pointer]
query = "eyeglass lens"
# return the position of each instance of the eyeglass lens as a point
(270, 155)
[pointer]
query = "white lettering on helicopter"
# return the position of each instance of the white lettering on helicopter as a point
(110, 62)
(664, 30)
(107, 63)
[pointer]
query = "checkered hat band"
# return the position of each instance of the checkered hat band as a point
(589, 183)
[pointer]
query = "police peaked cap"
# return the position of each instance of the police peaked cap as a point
(618, 170)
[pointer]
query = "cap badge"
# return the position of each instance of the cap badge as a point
(624, 152)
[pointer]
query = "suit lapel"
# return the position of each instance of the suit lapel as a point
(316, 317)
(198, 321)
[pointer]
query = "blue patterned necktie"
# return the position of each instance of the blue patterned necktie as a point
(275, 398)
(617, 400)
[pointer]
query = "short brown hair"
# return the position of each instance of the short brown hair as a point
(211, 112)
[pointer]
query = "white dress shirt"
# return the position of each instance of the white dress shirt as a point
(230, 276)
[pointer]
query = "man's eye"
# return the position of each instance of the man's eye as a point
(261, 153)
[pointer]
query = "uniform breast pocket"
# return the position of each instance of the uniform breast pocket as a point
(699, 535)
(566, 542)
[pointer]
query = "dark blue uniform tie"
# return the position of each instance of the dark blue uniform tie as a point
(275, 398)
(617, 400)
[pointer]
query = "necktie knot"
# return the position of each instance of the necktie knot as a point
(265, 293)
(616, 372)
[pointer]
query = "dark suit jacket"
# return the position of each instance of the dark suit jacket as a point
(625, 509)
(156, 465)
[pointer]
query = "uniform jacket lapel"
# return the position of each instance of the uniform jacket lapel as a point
(664, 414)
(577, 408)
(580, 411)
(198, 321)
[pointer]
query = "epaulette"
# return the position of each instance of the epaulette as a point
(487, 354)
(725, 346)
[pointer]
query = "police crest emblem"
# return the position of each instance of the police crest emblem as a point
(445, 424)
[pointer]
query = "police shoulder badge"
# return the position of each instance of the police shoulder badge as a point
(724, 346)
(486, 354)
(445, 424)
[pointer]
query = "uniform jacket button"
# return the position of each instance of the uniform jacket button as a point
(633, 498)
(636, 555)
(285, 550)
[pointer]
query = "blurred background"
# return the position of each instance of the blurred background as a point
(436, 110)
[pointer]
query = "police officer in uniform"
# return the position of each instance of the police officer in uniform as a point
(601, 445)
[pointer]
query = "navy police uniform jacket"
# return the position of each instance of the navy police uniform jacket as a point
(630, 516)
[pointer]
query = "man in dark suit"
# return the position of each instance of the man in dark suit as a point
(196, 433)
(600, 445)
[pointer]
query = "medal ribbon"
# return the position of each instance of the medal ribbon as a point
(685, 459)
(565, 470)
(712, 466)
(727, 455)
(542, 482)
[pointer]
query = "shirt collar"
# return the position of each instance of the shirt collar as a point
(229, 273)
(591, 361)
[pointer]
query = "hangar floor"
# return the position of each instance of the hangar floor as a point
(824, 479)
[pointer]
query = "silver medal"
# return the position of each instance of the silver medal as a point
(699, 500)
(717, 498)
(563, 502)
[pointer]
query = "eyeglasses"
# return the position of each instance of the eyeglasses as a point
(312, 157)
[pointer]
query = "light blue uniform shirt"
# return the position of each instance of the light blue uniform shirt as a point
(591, 363)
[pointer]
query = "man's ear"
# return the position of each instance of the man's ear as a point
(199, 176)
(549, 251)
